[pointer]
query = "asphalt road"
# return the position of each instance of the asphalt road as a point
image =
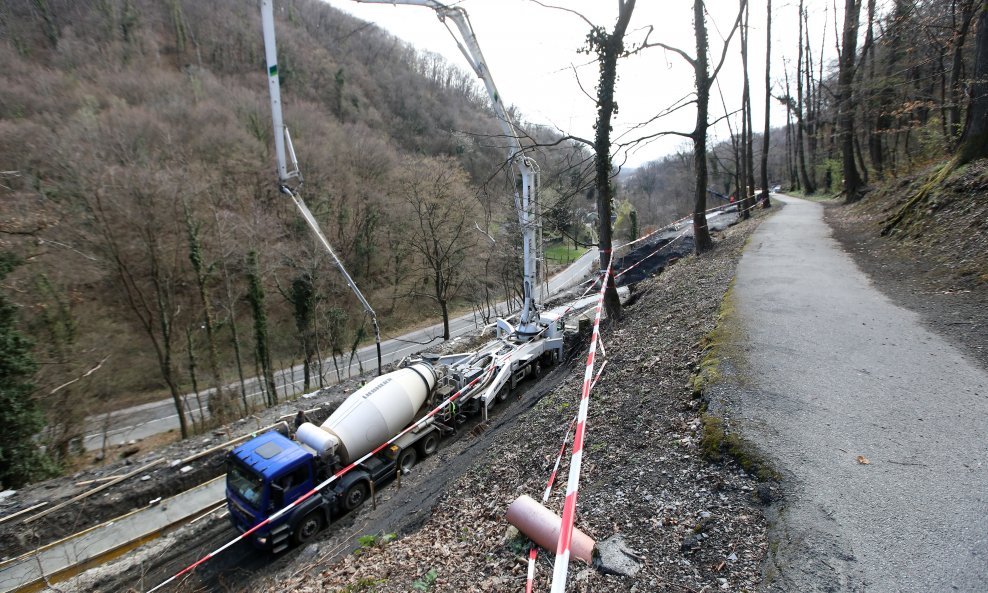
(835, 371)
(146, 420)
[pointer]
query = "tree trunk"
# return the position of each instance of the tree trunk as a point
(790, 139)
(609, 48)
(746, 157)
(194, 377)
(235, 338)
(808, 185)
(255, 295)
(444, 307)
(701, 234)
(768, 105)
(845, 79)
(219, 405)
(974, 141)
(956, 67)
(812, 119)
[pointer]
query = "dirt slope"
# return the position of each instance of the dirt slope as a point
(697, 526)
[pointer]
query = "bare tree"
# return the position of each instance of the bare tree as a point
(608, 47)
(747, 136)
(704, 80)
(219, 404)
(768, 104)
(802, 64)
(145, 269)
(845, 99)
(440, 220)
(262, 345)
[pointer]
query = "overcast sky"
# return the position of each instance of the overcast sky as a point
(533, 56)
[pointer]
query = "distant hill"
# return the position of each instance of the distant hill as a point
(138, 186)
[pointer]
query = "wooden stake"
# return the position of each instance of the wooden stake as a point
(22, 512)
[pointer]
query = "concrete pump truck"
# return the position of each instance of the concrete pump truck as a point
(287, 490)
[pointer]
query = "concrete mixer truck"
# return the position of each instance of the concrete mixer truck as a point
(272, 471)
(271, 478)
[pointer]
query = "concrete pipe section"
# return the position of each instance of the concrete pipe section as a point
(542, 526)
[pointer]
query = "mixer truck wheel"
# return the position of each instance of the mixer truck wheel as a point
(355, 496)
(429, 444)
(407, 459)
(308, 528)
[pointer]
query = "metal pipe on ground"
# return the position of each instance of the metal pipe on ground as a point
(542, 526)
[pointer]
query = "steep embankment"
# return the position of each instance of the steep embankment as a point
(935, 261)
(694, 525)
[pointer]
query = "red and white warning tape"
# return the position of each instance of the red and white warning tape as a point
(642, 260)
(561, 566)
(483, 376)
(533, 551)
(624, 246)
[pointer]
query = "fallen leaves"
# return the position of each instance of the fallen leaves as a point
(863, 460)
(694, 526)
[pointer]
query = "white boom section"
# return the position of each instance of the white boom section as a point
(281, 139)
(529, 169)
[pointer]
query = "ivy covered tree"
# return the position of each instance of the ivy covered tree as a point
(20, 459)
(255, 295)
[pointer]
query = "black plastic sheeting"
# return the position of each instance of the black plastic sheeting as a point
(652, 263)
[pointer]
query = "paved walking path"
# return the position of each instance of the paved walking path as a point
(836, 371)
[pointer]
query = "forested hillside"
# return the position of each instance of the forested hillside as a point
(905, 100)
(139, 195)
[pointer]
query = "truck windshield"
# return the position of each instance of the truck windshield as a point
(245, 483)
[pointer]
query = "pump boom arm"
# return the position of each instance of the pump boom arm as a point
(529, 169)
(283, 145)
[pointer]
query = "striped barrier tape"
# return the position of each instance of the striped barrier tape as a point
(676, 238)
(533, 551)
(642, 260)
(652, 234)
(483, 376)
(561, 566)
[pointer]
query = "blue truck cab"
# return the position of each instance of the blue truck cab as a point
(271, 471)
(263, 475)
